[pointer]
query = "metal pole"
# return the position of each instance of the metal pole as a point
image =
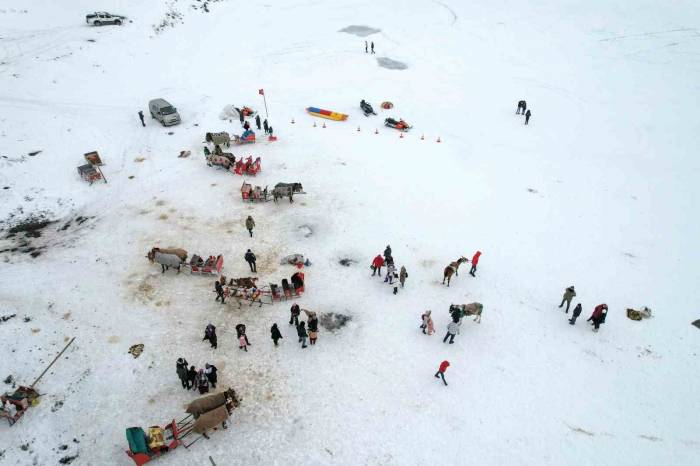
(52, 362)
(267, 117)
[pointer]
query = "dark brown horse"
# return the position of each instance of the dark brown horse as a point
(452, 269)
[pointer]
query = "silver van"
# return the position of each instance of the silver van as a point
(162, 111)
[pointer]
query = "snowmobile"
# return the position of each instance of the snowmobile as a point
(367, 108)
(397, 124)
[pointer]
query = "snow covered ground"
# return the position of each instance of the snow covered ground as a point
(598, 191)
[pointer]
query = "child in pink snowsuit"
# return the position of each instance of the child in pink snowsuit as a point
(431, 326)
(242, 344)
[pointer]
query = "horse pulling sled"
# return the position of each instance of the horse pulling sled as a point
(177, 258)
(246, 289)
(397, 124)
(228, 162)
(286, 190)
(203, 414)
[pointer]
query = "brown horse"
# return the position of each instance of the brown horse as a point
(247, 282)
(452, 269)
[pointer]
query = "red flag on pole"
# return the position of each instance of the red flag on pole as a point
(261, 91)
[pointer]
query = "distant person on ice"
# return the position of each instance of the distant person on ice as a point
(141, 117)
(569, 294)
(475, 262)
(210, 334)
(275, 334)
(257, 121)
(240, 332)
(181, 368)
(210, 372)
(387, 252)
(192, 378)
(219, 291)
(425, 317)
(250, 224)
(522, 105)
(441, 371)
(403, 275)
(598, 316)
(250, 259)
(527, 117)
(265, 126)
(377, 265)
(365, 46)
(576, 313)
(301, 332)
(372, 47)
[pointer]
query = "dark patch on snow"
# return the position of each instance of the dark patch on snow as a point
(32, 154)
(24, 447)
(532, 190)
(31, 226)
(5, 187)
(9, 380)
(629, 254)
(7, 317)
(360, 31)
(56, 406)
(67, 459)
(333, 321)
(390, 64)
(27, 319)
(697, 323)
(63, 447)
(346, 262)
(27, 235)
(306, 230)
(91, 40)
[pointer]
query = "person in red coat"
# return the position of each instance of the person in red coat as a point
(475, 262)
(598, 316)
(441, 371)
(377, 265)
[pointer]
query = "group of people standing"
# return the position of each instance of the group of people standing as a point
(598, 316)
(371, 45)
(522, 106)
(304, 331)
(393, 278)
(193, 379)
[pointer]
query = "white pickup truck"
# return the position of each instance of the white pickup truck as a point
(100, 17)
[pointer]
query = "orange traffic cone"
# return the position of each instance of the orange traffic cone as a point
(292, 120)
(324, 124)
(438, 139)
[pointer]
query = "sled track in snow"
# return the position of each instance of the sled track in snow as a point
(452, 12)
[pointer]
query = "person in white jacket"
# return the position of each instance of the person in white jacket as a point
(452, 330)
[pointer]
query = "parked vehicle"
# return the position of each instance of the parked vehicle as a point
(162, 111)
(100, 18)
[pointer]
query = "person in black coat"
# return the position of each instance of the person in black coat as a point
(210, 372)
(210, 334)
(301, 332)
(265, 126)
(250, 259)
(219, 291)
(294, 311)
(257, 121)
(192, 378)
(275, 333)
(141, 118)
(240, 332)
(240, 114)
(387, 252)
(181, 369)
(527, 117)
(313, 323)
(522, 105)
(577, 312)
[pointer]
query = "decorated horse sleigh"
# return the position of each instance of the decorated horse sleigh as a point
(246, 289)
(177, 258)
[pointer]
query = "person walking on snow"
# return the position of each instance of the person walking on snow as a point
(242, 343)
(313, 329)
(387, 252)
(377, 265)
(202, 382)
(403, 275)
(192, 378)
(390, 270)
(181, 369)
(265, 126)
(210, 372)
(431, 326)
(598, 316)
(425, 317)
(522, 105)
(275, 333)
(301, 332)
(527, 117)
(366, 47)
(240, 115)
(257, 121)
(452, 330)
(219, 291)
(396, 283)
(441, 371)
(569, 294)
(240, 332)
(210, 334)
(372, 47)
(475, 262)
(250, 259)
(294, 312)
(250, 224)
(576, 313)
(141, 118)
